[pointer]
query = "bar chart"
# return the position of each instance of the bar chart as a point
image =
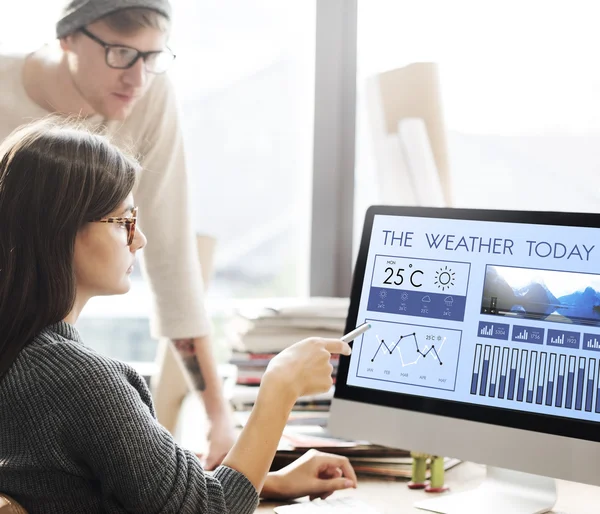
(523, 334)
(493, 330)
(591, 342)
(532, 376)
(563, 338)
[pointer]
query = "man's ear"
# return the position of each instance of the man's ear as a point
(66, 42)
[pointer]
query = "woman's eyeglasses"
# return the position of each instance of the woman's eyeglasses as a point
(129, 222)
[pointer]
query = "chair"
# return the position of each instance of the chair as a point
(10, 506)
(408, 136)
(169, 385)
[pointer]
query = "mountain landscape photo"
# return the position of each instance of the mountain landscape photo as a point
(536, 300)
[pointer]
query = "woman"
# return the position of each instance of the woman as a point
(77, 430)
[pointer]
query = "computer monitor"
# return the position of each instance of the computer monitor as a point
(484, 346)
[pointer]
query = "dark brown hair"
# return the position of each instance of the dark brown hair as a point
(129, 21)
(54, 178)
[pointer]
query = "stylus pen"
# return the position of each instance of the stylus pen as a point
(351, 336)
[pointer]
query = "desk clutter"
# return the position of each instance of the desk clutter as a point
(258, 333)
(306, 429)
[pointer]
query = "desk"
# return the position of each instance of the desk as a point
(393, 497)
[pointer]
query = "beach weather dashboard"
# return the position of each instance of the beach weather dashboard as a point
(490, 313)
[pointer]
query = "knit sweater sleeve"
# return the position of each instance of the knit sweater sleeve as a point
(109, 426)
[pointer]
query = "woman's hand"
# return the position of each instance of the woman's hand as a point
(301, 369)
(315, 474)
(305, 367)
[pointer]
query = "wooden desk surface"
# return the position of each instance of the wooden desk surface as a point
(393, 497)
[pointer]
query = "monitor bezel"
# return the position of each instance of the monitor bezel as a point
(554, 425)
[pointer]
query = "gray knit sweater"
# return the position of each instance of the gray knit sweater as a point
(78, 434)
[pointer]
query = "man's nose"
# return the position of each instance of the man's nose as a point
(137, 75)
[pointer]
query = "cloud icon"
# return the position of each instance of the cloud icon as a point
(426, 299)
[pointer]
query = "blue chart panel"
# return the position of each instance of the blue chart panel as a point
(591, 342)
(409, 354)
(411, 303)
(532, 335)
(493, 330)
(532, 376)
(563, 339)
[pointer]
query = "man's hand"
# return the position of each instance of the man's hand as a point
(221, 438)
(315, 474)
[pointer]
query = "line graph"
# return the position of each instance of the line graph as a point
(422, 354)
(418, 355)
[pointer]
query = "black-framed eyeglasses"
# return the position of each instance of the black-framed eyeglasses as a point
(123, 57)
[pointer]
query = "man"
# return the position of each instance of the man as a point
(108, 69)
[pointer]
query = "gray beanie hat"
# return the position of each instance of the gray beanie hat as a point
(79, 13)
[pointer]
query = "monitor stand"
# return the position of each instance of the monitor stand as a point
(502, 492)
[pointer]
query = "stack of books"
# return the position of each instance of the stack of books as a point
(243, 399)
(273, 326)
(260, 332)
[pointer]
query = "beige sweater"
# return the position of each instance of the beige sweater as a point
(151, 133)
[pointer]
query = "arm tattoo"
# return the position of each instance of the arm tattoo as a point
(187, 352)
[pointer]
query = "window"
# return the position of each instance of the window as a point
(245, 82)
(244, 75)
(20, 31)
(520, 93)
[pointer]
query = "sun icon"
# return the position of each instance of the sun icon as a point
(444, 278)
(382, 295)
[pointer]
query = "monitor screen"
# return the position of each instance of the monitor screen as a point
(486, 316)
